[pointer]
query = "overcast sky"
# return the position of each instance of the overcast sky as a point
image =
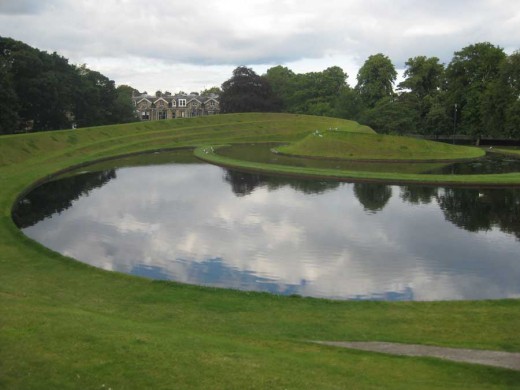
(184, 45)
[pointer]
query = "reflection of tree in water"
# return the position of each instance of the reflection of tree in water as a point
(418, 194)
(244, 183)
(57, 196)
(373, 196)
(482, 209)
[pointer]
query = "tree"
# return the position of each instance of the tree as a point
(211, 91)
(470, 73)
(282, 81)
(500, 106)
(123, 110)
(376, 79)
(423, 76)
(9, 120)
(43, 91)
(314, 93)
(390, 116)
(246, 91)
(95, 98)
(421, 86)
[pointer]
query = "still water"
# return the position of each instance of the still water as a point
(201, 224)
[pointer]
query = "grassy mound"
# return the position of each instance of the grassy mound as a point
(66, 325)
(359, 146)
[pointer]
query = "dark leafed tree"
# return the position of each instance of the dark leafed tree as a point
(9, 120)
(500, 106)
(471, 72)
(283, 83)
(246, 91)
(42, 91)
(420, 90)
(376, 79)
(423, 76)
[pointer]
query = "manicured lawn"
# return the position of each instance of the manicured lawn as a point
(65, 325)
(365, 146)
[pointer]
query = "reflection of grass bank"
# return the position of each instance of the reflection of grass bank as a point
(357, 146)
(212, 155)
(64, 324)
(263, 153)
(512, 151)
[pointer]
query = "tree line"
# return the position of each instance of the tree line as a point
(42, 91)
(477, 94)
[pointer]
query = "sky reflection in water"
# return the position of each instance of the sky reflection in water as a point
(201, 224)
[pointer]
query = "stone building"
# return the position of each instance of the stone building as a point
(168, 106)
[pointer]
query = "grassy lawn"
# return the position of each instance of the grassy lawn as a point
(65, 325)
(366, 146)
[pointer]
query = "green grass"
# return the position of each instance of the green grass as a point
(360, 146)
(210, 154)
(66, 325)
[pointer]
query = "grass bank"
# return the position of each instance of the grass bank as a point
(66, 325)
(211, 154)
(348, 145)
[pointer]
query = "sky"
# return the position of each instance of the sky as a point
(183, 45)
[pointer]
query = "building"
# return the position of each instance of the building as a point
(168, 106)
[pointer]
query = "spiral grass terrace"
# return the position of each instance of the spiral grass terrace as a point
(64, 324)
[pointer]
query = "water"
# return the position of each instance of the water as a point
(491, 163)
(200, 224)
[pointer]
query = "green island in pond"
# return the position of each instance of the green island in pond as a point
(351, 145)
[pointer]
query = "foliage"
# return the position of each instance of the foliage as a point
(470, 73)
(246, 91)
(481, 80)
(9, 119)
(391, 116)
(376, 79)
(209, 91)
(42, 91)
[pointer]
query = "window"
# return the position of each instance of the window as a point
(162, 114)
(182, 102)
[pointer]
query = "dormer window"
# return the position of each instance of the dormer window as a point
(182, 102)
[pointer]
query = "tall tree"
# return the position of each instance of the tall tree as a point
(9, 120)
(500, 107)
(420, 88)
(283, 83)
(375, 79)
(123, 110)
(246, 91)
(423, 76)
(469, 74)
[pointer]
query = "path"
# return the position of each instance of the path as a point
(509, 360)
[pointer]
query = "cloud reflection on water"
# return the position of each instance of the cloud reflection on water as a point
(361, 241)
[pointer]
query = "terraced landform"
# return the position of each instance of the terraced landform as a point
(66, 325)
(344, 145)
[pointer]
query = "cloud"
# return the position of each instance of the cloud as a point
(24, 7)
(258, 32)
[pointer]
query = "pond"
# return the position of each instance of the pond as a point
(491, 163)
(168, 216)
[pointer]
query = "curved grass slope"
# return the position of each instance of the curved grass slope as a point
(66, 325)
(358, 146)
